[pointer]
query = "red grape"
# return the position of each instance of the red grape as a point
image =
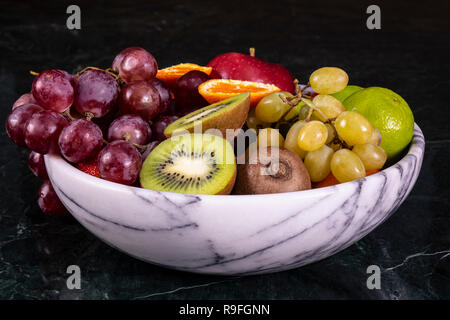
(16, 121)
(48, 200)
(37, 165)
(80, 140)
(149, 148)
(131, 128)
(165, 94)
(68, 77)
(95, 92)
(160, 124)
(26, 98)
(187, 96)
(134, 63)
(53, 90)
(119, 162)
(42, 131)
(140, 98)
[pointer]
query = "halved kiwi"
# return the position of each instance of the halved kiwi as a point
(230, 113)
(191, 163)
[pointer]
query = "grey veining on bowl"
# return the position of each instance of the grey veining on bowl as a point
(232, 234)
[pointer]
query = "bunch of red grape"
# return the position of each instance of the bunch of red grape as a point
(104, 121)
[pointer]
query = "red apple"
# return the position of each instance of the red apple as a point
(238, 66)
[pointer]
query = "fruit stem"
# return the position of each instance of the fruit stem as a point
(292, 101)
(89, 115)
(105, 141)
(140, 147)
(34, 73)
(67, 114)
(297, 87)
(108, 71)
(305, 87)
(252, 51)
(312, 107)
(310, 112)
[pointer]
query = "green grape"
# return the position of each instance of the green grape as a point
(347, 166)
(317, 116)
(303, 113)
(271, 108)
(292, 137)
(335, 146)
(372, 156)
(314, 115)
(328, 105)
(375, 138)
(353, 128)
(331, 133)
(270, 137)
(295, 111)
(312, 136)
(318, 163)
(328, 80)
(253, 122)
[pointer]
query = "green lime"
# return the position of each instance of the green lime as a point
(347, 92)
(389, 113)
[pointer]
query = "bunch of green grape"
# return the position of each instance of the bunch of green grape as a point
(328, 138)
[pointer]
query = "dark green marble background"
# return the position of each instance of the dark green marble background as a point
(409, 54)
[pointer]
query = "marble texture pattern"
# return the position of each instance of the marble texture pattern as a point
(235, 235)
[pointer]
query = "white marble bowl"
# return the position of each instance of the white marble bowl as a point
(233, 234)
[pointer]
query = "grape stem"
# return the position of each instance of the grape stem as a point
(140, 147)
(108, 71)
(34, 73)
(127, 138)
(252, 51)
(307, 96)
(306, 87)
(68, 116)
(89, 116)
(312, 107)
(310, 112)
(297, 87)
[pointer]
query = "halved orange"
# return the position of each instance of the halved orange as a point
(219, 89)
(171, 74)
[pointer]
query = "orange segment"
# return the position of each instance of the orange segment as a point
(330, 180)
(219, 89)
(171, 74)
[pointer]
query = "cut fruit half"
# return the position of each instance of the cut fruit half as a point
(171, 74)
(218, 89)
(191, 163)
(226, 114)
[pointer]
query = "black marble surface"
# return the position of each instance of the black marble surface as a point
(409, 55)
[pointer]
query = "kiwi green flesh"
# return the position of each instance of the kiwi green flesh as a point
(190, 163)
(215, 109)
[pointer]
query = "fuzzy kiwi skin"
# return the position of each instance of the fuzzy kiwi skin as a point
(250, 180)
(233, 118)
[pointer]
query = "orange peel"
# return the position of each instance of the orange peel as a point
(219, 89)
(171, 74)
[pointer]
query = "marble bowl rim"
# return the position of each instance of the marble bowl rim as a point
(101, 183)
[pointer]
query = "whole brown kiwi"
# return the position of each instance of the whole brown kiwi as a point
(274, 171)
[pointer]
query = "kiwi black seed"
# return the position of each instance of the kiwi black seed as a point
(191, 163)
(230, 113)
